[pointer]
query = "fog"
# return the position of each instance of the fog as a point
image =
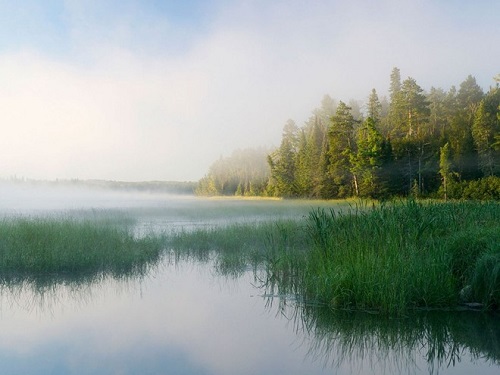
(142, 211)
(130, 90)
(40, 199)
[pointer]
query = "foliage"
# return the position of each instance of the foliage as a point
(397, 257)
(487, 188)
(244, 173)
(388, 258)
(401, 152)
(283, 162)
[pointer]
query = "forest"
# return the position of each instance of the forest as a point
(436, 143)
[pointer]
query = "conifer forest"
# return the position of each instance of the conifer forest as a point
(435, 143)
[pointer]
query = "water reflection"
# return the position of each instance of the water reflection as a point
(431, 342)
(180, 319)
(183, 317)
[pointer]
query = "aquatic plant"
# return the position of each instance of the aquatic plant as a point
(396, 257)
(238, 246)
(389, 258)
(62, 249)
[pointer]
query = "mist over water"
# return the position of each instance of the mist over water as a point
(28, 198)
(148, 211)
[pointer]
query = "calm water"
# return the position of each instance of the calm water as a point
(184, 318)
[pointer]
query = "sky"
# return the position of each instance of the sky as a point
(137, 90)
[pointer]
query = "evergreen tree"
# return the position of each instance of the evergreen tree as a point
(484, 130)
(328, 107)
(302, 166)
(367, 161)
(315, 141)
(469, 95)
(445, 169)
(464, 153)
(397, 112)
(283, 162)
(341, 147)
(438, 119)
(325, 188)
(356, 113)
(416, 108)
(374, 107)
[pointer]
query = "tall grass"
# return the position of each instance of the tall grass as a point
(397, 257)
(390, 258)
(239, 246)
(37, 249)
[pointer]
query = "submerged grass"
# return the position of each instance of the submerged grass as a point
(61, 249)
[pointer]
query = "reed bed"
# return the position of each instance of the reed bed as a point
(397, 257)
(388, 258)
(35, 249)
(238, 247)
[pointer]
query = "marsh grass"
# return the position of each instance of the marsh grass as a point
(46, 250)
(389, 258)
(238, 247)
(396, 257)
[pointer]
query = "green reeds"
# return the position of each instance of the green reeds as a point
(238, 246)
(62, 249)
(389, 258)
(397, 257)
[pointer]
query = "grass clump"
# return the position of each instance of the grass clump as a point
(389, 258)
(33, 249)
(397, 257)
(238, 246)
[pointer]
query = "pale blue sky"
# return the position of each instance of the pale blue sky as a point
(146, 90)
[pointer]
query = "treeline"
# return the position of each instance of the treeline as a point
(436, 143)
(244, 173)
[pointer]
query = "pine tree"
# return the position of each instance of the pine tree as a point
(396, 115)
(374, 107)
(463, 151)
(367, 161)
(302, 167)
(416, 108)
(445, 168)
(341, 147)
(315, 142)
(484, 130)
(438, 119)
(283, 162)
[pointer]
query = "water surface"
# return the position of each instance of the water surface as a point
(185, 318)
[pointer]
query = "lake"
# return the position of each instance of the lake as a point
(184, 317)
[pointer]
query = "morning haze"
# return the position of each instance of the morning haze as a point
(131, 90)
(148, 154)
